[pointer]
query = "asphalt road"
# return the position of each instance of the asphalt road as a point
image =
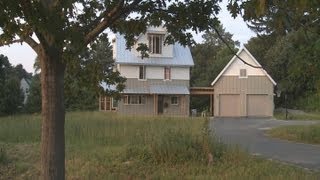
(250, 135)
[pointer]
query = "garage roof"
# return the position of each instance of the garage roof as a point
(235, 58)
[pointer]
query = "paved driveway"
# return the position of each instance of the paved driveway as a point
(249, 134)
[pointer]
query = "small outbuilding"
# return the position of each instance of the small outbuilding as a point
(241, 90)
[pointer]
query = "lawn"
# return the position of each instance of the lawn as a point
(299, 133)
(305, 116)
(106, 146)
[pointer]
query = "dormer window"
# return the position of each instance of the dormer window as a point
(243, 73)
(155, 43)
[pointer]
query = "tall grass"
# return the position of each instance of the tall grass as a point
(107, 146)
(299, 133)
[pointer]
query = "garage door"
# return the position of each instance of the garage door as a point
(229, 105)
(258, 105)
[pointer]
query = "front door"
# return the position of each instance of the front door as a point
(160, 104)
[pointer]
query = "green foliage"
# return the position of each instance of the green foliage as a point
(11, 96)
(33, 104)
(305, 134)
(210, 57)
(107, 146)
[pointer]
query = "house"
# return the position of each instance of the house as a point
(25, 86)
(243, 91)
(157, 85)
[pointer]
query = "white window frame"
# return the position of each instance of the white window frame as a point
(165, 69)
(129, 100)
(143, 72)
(177, 100)
(154, 46)
(246, 76)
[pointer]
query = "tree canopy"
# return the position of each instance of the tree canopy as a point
(58, 31)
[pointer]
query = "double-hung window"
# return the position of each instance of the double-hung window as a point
(167, 73)
(142, 72)
(134, 99)
(174, 100)
(155, 43)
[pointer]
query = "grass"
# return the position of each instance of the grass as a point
(306, 116)
(106, 146)
(305, 134)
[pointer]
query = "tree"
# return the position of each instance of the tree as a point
(33, 104)
(278, 16)
(210, 57)
(66, 28)
(11, 96)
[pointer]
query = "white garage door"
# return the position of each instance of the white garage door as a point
(229, 105)
(258, 105)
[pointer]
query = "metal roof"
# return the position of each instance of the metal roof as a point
(137, 90)
(163, 89)
(181, 55)
(235, 58)
(158, 89)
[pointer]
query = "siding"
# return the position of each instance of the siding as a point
(132, 83)
(242, 87)
(182, 109)
(154, 72)
(135, 109)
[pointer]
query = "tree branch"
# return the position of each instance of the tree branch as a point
(104, 23)
(11, 42)
(234, 53)
(32, 43)
(109, 18)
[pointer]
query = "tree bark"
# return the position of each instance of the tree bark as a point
(53, 115)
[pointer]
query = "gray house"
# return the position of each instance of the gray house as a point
(157, 85)
(243, 91)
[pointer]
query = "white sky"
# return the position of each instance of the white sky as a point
(23, 54)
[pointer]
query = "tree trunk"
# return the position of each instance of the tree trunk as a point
(53, 115)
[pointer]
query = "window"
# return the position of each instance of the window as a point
(142, 72)
(134, 99)
(155, 43)
(167, 73)
(174, 100)
(243, 73)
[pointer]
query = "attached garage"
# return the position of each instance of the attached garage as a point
(241, 90)
(229, 105)
(258, 105)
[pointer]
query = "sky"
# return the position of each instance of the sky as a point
(23, 54)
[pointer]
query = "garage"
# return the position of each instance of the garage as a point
(229, 105)
(241, 90)
(258, 105)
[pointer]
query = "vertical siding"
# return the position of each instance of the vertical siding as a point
(137, 109)
(132, 83)
(242, 87)
(182, 109)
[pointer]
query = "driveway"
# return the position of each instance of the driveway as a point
(249, 134)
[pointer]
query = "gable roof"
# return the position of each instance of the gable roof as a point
(181, 56)
(234, 58)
